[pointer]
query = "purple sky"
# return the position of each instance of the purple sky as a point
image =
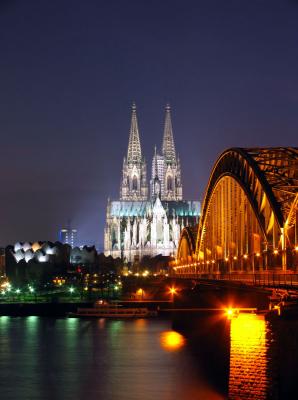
(71, 69)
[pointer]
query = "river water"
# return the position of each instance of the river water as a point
(68, 358)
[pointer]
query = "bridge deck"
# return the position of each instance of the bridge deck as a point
(270, 280)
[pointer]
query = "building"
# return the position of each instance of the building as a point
(68, 236)
(39, 252)
(147, 222)
(41, 263)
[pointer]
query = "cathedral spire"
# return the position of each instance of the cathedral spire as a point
(168, 146)
(156, 182)
(134, 153)
(155, 163)
(134, 181)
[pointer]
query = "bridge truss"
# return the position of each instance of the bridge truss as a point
(249, 215)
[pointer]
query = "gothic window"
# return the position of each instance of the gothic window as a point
(169, 183)
(134, 183)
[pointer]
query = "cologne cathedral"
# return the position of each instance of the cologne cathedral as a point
(148, 220)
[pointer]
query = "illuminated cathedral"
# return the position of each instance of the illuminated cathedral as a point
(148, 220)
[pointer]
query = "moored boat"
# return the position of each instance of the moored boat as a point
(102, 309)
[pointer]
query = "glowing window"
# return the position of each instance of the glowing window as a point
(170, 183)
(134, 183)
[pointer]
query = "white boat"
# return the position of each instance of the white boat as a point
(103, 309)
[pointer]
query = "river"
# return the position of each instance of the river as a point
(68, 358)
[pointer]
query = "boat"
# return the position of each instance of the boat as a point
(103, 309)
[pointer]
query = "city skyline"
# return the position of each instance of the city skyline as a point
(229, 75)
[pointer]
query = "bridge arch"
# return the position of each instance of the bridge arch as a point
(249, 213)
(187, 244)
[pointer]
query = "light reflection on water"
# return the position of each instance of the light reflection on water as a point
(248, 357)
(47, 358)
(171, 340)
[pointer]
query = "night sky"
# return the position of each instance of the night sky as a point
(71, 69)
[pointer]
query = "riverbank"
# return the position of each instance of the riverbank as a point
(61, 309)
(40, 309)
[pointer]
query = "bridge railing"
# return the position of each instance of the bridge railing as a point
(257, 279)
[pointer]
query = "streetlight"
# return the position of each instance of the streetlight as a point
(232, 312)
(173, 291)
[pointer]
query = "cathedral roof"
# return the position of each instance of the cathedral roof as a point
(129, 208)
(183, 208)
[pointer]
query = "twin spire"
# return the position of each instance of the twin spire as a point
(165, 179)
(168, 146)
(134, 152)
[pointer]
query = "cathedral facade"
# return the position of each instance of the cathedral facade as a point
(147, 220)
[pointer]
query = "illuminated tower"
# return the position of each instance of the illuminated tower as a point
(172, 172)
(68, 236)
(167, 165)
(134, 182)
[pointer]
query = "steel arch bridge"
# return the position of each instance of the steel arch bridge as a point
(249, 215)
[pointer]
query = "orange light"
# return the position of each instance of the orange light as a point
(226, 259)
(173, 290)
(258, 254)
(213, 261)
(171, 340)
(275, 251)
(232, 312)
(235, 257)
(296, 248)
(245, 256)
(208, 262)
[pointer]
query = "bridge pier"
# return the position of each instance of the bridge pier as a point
(245, 357)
